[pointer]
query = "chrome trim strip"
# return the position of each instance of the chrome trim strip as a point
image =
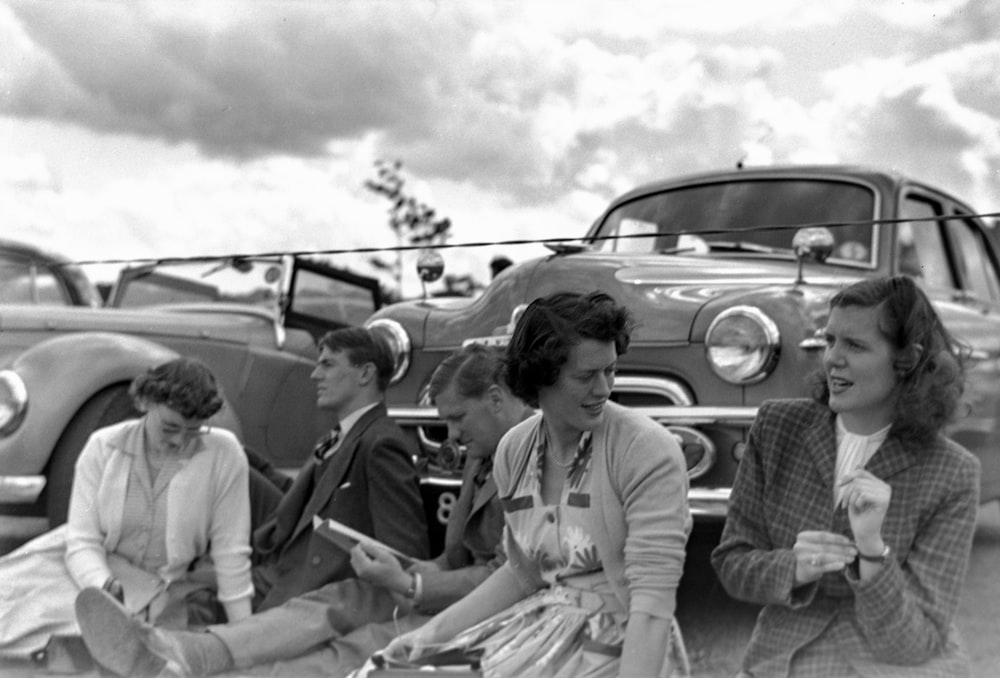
(668, 388)
(709, 502)
(681, 415)
(20, 489)
(446, 483)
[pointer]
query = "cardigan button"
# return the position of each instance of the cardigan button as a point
(551, 517)
(316, 560)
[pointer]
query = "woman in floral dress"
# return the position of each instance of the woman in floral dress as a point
(595, 503)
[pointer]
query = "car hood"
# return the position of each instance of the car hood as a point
(664, 292)
(233, 324)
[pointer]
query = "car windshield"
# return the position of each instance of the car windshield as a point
(327, 295)
(738, 217)
(243, 281)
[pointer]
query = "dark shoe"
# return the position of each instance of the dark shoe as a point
(118, 641)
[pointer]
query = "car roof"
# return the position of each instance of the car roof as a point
(763, 172)
(32, 251)
(82, 287)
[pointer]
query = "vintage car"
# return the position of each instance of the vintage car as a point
(729, 274)
(65, 370)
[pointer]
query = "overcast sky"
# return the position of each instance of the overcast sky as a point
(138, 129)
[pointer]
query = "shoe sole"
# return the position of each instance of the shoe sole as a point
(114, 638)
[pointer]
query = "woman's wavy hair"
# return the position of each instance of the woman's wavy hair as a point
(929, 362)
(185, 385)
(549, 327)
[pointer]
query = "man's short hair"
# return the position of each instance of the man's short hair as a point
(362, 346)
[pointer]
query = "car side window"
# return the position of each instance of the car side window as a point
(331, 299)
(920, 246)
(22, 282)
(974, 262)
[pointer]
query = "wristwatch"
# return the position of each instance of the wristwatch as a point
(880, 558)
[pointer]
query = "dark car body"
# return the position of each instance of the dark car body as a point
(729, 313)
(65, 370)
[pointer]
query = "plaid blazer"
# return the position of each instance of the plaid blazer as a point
(898, 623)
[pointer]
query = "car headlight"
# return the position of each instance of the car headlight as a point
(13, 401)
(742, 345)
(399, 345)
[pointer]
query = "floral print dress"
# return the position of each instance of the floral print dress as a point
(576, 625)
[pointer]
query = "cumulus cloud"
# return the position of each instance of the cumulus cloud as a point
(518, 118)
(498, 92)
(934, 118)
(260, 78)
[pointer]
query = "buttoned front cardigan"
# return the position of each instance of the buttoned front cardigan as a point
(638, 513)
(208, 508)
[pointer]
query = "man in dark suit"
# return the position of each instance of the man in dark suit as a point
(332, 630)
(361, 475)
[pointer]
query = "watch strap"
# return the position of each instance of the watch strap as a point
(880, 558)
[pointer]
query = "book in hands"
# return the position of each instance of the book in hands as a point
(347, 537)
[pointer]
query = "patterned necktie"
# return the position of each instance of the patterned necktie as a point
(328, 442)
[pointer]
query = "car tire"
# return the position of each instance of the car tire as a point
(108, 407)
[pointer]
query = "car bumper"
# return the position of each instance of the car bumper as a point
(20, 489)
(706, 503)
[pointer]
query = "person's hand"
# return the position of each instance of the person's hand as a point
(379, 567)
(409, 646)
(818, 552)
(866, 499)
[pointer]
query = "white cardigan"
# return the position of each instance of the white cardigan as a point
(208, 506)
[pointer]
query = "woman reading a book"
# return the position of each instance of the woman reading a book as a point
(595, 504)
(150, 497)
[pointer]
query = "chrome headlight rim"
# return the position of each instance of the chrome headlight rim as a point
(13, 401)
(399, 345)
(757, 363)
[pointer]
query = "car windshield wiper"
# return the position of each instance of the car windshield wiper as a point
(743, 246)
(677, 250)
(723, 246)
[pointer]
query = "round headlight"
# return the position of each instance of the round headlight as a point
(13, 401)
(399, 345)
(742, 345)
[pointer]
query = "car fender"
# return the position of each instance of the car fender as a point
(61, 374)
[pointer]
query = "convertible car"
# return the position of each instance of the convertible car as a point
(66, 363)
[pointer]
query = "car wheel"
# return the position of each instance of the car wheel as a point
(108, 407)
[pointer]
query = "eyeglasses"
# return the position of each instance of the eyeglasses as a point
(171, 430)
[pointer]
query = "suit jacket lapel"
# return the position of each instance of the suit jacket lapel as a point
(890, 458)
(337, 466)
(820, 441)
(484, 495)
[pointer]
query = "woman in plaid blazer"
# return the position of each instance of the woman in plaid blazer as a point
(852, 516)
